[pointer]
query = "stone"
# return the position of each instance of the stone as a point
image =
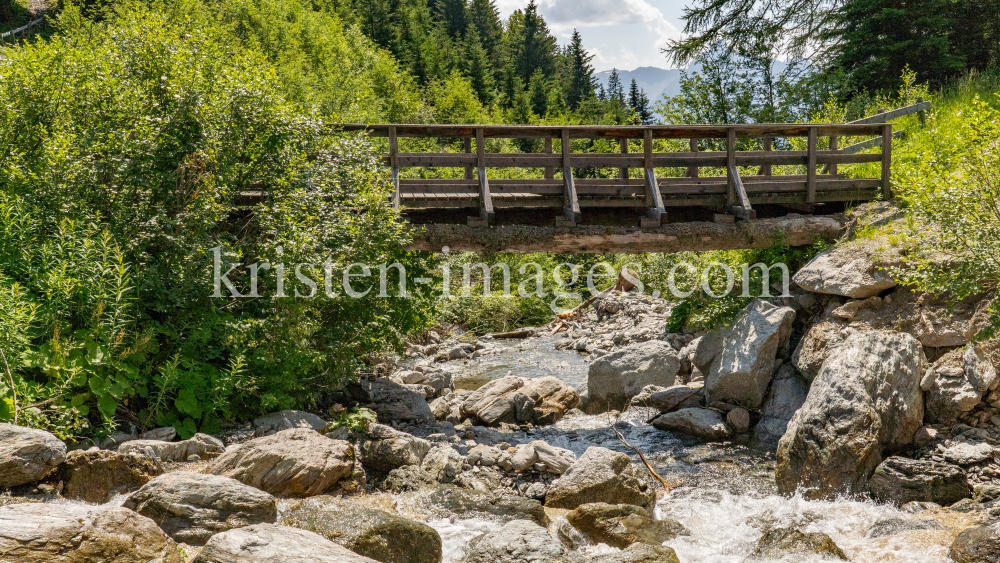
(977, 545)
(283, 420)
(518, 541)
(741, 372)
(483, 455)
(675, 398)
(516, 400)
(843, 271)
(192, 507)
(638, 553)
(448, 501)
(864, 404)
(703, 424)
(899, 480)
(615, 378)
(621, 525)
(551, 397)
(407, 478)
(443, 463)
(493, 402)
(556, 460)
(77, 533)
(600, 475)
(440, 381)
(819, 342)
(780, 542)
(410, 377)
(27, 454)
(884, 527)
(393, 402)
(268, 543)
(924, 436)
(383, 449)
(165, 434)
(373, 533)
(297, 462)
(786, 396)
(985, 492)
(965, 453)
(201, 445)
(739, 420)
(96, 476)
(448, 406)
(957, 383)
(457, 353)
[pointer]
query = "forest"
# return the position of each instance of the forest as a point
(130, 128)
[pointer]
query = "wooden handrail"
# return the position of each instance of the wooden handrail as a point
(757, 130)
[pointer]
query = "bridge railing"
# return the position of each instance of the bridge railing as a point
(730, 193)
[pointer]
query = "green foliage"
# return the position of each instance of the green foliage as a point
(355, 420)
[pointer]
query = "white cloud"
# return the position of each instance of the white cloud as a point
(567, 14)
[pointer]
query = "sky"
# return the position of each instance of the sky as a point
(623, 34)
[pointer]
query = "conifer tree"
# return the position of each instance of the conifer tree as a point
(477, 66)
(616, 92)
(581, 73)
(638, 102)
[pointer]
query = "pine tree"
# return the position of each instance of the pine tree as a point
(616, 92)
(638, 102)
(602, 95)
(452, 13)
(534, 46)
(581, 73)
(484, 15)
(477, 66)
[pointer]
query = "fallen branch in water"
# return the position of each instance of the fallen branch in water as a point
(621, 438)
(512, 334)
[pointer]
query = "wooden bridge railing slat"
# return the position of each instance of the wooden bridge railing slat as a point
(571, 209)
(394, 163)
(811, 168)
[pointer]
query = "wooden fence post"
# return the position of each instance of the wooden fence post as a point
(550, 172)
(467, 141)
(811, 168)
(654, 199)
(571, 205)
(730, 165)
(834, 139)
(623, 170)
(692, 171)
(765, 169)
(397, 199)
(887, 161)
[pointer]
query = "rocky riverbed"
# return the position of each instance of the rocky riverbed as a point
(853, 420)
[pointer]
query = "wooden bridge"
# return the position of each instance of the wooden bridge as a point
(650, 185)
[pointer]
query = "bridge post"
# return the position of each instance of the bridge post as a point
(623, 171)
(467, 141)
(811, 168)
(834, 139)
(730, 166)
(571, 205)
(887, 162)
(397, 199)
(654, 199)
(550, 172)
(765, 169)
(692, 171)
(486, 215)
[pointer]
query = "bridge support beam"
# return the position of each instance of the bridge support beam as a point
(486, 215)
(571, 204)
(793, 230)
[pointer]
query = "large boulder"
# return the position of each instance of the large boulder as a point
(556, 460)
(268, 543)
(977, 545)
(550, 398)
(393, 402)
(742, 370)
(201, 445)
(77, 533)
(283, 420)
(781, 542)
(383, 449)
(600, 475)
(900, 480)
(514, 400)
(956, 383)
(638, 553)
(373, 533)
(621, 525)
(843, 271)
(192, 507)
(819, 342)
(447, 501)
(613, 379)
(27, 454)
(670, 399)
(97, 475)
(704, 424)
(292, 463)
(443, 463)
(493, 402)
(407, 478)
(519, 541)
(786, 396)
(865, 402)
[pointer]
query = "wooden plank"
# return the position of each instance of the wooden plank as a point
(870, 143)
(485, 197)
(611, 132)
(654, 200)
(692, 171)
(887, 162)
(394, 164)
(731, 167)
(742, 208)
(765, 167)
(811, 168)
(550, 171)
(885, 116)
(832, 166)
(571, 207)
(623, 170)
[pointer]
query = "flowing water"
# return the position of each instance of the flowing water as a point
(724, 494)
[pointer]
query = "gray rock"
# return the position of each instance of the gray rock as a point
(448, 501)
(383, 449)
(822, 339)
(97, 476)
(493, 402)
(786, 396)
(443, 463)
(440, 381)
(600, 475)
(394, 402)
(617, 377)
(201, 445)
(843, 271)
(283, 420)
(965, 453)
(410, 377)
(674, 398)
(741, 372)
(407, 478)
(639, 553)
(513, 399)
(519, 541)
(373, 533)
(165, 434)
(900, 480)
(78, 533)
(292, 463)
(192, 507)
(780, 542)
(885, 527)
(956, 383)
(268, 543)
(621, 525)
(704, 424)
(977, 545)
(739, 420)
(27, 454)
(985, 492)
(866, 401)
(483, 455)
(457, 353)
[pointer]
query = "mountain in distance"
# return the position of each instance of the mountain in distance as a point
(656, 82)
